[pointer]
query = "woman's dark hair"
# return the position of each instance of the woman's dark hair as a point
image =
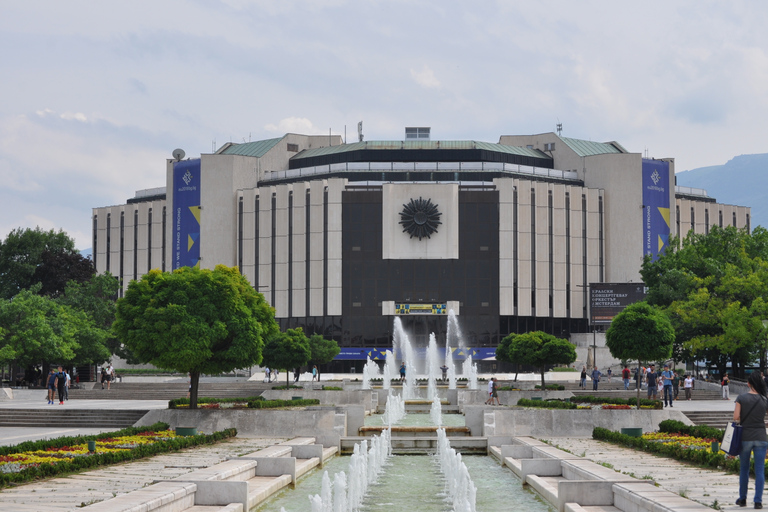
(757, 382)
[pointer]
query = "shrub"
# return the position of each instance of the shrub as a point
(172, 404)
(273, 404)
(563, 369)
(553, 387)
(332, 388)
(674, 426)
(546, 404)
(644, 402)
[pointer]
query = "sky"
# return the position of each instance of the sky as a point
(96, 95)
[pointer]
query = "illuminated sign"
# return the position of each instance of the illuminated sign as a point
(421, 309)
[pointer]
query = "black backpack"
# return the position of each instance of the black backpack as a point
(62, 378)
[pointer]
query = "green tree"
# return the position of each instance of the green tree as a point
(323, 350)
(540, 349)
(96, 297)
(57, 268)
(35, 329)
(21, 253)
(713, 287)
(287, 350)
(640, 333)
(195, 321)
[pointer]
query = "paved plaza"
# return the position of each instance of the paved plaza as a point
(68, 493)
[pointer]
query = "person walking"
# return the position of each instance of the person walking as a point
(315, 376)
(610, 373)
(296, 374)
(267, 374)
(725, 383)
(750, 411)
(595, 378)
(688, 386)
(494, 391)
(402, 372)
(666, 379)
(583, 382)
(625, 377)
(489, 401)
(51, 386)
(66, 385)
(61, 382)
(676, 385)
(650, 380)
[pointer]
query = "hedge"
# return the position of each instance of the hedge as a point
(273, 404)
(209, 400)
(102, 459)
(546, 404)
(553, 387)
(618, 401)
(702, 458)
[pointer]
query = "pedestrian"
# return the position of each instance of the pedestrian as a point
(296, 373)
(676, 385)
(402, 371)
(625, 377)
(275, 374)
(688, 386)
(610, 372)
(494, 391)
(66, 385)
(637, 378)
(726, 387)
(315, 376)
(51, 386)
(583, 382)
(750, 411)
(267, 375)
(444, 369)
(489, 400)
(666, 380)
(595, 378)
(60, 383)
(650, 380)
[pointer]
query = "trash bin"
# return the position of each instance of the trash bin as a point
(186, 431)
(297, 398)
(91, 446)
(632, 431)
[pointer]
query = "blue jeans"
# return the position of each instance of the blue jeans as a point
(626, 383)
(594, 384)
(584, 382)
(668, 395)
(758, 448)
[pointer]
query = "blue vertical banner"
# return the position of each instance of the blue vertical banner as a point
(186, 213)
(656, 195)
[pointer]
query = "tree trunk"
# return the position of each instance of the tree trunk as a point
(287, 379)
(194, 380)
(543, 387)
(517, 370)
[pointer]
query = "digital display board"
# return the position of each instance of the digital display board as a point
(609, 299)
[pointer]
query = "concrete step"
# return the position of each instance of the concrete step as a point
(61, 416)
(423, 445)
(716, 419)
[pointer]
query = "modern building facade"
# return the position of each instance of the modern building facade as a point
(341, 238)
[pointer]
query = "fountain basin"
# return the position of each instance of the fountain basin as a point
(414, 431)
(424, 444)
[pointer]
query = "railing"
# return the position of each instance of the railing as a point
(689, 191)
(439, 167)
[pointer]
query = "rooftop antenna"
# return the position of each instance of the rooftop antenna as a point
(559, 128)
(360, 131)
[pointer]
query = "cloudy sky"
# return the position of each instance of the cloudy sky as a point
(96, 95)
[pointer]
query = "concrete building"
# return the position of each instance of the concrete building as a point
(340, 238)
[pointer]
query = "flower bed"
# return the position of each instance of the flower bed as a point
(33, 460)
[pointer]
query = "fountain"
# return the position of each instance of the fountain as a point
(470, 370)
(365, 466)
(436, 412)
(389, 370)
(459, 485)
(370, 371)
(408, 355)
(451, 367)
(433, 367)
(394, 410)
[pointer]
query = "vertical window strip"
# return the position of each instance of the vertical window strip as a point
(122, 250)
(600, 238)
(274, 238)
(94, 241)
(149, 240)
(706, 221)
(165, 216)
(568, 254)
(109, 240)
(533, 251)
(551, 237)
(307, 245)
(240, 234)
(585, 279)
(515, 267)
(290, 254)
(256, 241)
(135, 245)
(325, 252)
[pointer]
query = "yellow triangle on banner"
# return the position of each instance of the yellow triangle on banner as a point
(661, 243)
(196, 212)
(190, 242)
(663, 211)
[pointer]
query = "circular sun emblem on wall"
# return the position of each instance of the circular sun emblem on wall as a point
(420, 218)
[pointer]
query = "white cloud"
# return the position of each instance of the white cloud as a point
(425, 78)
(295, 125)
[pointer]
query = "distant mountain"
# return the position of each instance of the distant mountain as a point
(86, 253)
(742, 181)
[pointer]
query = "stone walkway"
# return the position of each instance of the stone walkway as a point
(701, 485)
(68, 493)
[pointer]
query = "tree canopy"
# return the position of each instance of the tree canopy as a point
(35, 329)
(538, 349)
(195, 320)
(322, 350)
(714, 288)
(21, 253)
(287, 350)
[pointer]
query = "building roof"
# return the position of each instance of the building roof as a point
(258, 148)
(590, 148)
(383, 145)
